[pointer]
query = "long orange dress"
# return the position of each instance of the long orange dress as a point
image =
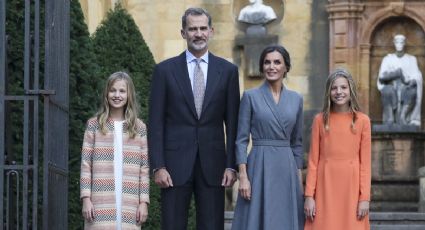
(339, 172)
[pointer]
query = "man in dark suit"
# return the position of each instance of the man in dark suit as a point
(194, 98)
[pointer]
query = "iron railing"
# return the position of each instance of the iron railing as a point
(20, 186)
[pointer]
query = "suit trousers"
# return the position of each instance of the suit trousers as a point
(209, 203)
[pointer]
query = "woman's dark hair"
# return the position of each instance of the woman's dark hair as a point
(281, 50)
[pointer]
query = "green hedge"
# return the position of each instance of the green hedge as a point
(84, 93)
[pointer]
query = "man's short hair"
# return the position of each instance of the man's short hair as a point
(197, 12)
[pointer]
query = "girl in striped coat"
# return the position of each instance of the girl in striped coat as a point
(114, 161)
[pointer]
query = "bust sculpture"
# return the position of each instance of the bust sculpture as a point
(400, 84)
(256, 13)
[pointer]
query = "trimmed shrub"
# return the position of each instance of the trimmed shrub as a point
(119, 45)
(84, 93)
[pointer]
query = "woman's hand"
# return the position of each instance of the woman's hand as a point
(88, 209)
(244, 186)
(310, 208)
(362, 209)
(142, 213)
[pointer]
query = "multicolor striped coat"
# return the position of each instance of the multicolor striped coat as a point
(97, 174)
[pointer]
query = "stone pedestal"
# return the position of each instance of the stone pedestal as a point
(395, 128)
(252, 45)
(396, 157)
(421, 175)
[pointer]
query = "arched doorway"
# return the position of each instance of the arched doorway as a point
(382, 44)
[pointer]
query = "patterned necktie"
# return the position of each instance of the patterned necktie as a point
(198, 87)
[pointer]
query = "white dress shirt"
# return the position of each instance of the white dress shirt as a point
(191, 63)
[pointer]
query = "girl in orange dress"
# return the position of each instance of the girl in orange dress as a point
(337, 193)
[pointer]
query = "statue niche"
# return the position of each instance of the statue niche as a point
(400, 84)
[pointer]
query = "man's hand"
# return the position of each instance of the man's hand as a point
(229, 178)
(163, 178)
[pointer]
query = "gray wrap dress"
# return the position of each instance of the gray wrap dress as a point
(276, 154)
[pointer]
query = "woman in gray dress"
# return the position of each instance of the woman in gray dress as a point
(270, 187)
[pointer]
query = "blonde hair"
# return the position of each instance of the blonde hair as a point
(131, 108)
(353, 103)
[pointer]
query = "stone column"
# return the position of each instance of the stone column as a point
(363, 83)
(421, 175)
(345, 25)
(344, 22)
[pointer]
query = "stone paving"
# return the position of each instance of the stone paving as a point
(379, 220)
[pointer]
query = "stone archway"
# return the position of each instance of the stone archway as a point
(381, 44)
(375, 17)
(352, 26)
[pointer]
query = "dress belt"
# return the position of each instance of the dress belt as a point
(265, 142)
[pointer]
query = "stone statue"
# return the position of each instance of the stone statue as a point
(256, 13)
(400, 84)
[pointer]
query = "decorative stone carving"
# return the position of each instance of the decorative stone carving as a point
(400, 84)
(256, 13)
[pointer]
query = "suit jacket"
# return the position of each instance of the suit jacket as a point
(176, 135)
